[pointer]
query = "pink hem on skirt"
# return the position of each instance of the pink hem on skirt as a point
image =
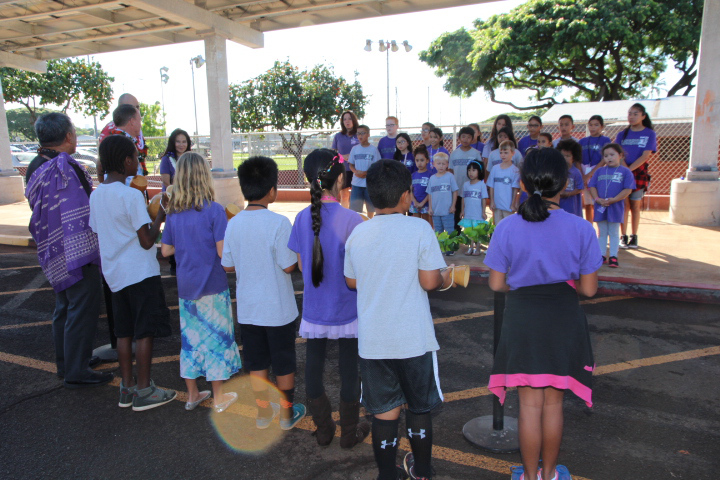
(333, 332)
(499, 382)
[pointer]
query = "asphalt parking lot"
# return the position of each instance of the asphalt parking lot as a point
(656, 394)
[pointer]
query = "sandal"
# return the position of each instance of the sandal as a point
(470, 251)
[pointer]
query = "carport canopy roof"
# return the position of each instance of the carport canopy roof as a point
(32, 31)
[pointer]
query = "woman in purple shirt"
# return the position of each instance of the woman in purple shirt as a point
(195, 232)
(343, 142)
(544, 346)
(329, 306)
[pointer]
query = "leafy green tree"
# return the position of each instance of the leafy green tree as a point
(596, 49)
(153, 123)
(21, 126)
(286, 98)
(519, 116)
(82, 85)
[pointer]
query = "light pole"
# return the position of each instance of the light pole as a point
(164, 77)
(197, 62)
(387, 46)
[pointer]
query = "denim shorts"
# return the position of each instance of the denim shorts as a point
(637, 194)
(444, 223)
(389, 383)
(358, 197)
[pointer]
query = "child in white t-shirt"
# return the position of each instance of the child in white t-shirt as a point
(396, 335)
(256, 248)
(126, 234)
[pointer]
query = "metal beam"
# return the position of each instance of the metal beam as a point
(22, 62)
(201, 19)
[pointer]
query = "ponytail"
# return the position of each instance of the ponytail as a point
(544, 175)
(317, 255)
(647, 123)
(323, 168)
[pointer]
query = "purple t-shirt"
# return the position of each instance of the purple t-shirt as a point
(386, 146)
(592, 149)
(432, 152)
(419, 184)
(525, 143)
(573, 204)
(479, 146)
(343, 144)
(194, 235)
(563, 247)
(409, 161)
(166, 166)
(332, 303)
(608, 182)
(635, 143)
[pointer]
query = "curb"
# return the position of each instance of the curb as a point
(638, 288)
(17, 240)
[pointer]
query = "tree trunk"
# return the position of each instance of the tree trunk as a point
(294, 145)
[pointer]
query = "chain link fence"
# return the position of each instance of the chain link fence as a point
(289, 148)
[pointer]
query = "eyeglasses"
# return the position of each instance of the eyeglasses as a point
(425, 130)
(389, 124)
(533, 125)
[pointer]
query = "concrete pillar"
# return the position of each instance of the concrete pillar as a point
(12, 186)
(696, 200)
(227, 188)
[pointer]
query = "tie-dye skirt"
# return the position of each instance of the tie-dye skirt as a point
(208, 338)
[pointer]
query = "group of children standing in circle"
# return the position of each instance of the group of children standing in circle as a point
(607, 180)
(366, 283)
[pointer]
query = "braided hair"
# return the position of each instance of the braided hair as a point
(113, 151)
(323, 168)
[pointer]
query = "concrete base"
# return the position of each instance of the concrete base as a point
(12, 189)
(227, 190)
(695, 202)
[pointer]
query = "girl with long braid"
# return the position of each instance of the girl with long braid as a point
(329, 306)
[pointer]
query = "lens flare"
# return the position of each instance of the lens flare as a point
(236, 425)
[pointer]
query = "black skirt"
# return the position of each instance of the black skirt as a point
(544, 342)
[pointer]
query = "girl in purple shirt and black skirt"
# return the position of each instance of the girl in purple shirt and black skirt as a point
(544, 346)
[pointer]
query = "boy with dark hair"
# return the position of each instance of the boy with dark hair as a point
(256, 246)
(566, 125)
(129, 264)
(397, 344)
(361, 157)
(459, 160)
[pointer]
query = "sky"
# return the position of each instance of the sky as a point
(415, 91)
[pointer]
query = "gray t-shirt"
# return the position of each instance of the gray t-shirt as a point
(495, 159)
(362, 158)
(459, 161)
(384, 255)
(473, 195)
(440, 190)
(256, 245)
(502, 181)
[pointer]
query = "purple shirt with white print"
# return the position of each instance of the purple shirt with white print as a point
(609, 181)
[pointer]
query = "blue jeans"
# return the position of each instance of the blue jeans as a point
(613, 231)
(444, 223)
(358, 196)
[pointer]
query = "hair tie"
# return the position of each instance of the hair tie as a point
(537, 192)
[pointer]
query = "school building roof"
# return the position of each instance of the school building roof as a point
(669, 108)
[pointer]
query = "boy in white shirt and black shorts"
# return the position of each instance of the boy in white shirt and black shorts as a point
(256, 246)
(393, 260)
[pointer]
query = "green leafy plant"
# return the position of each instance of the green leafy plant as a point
(481, 233)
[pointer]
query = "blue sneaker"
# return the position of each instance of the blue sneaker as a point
(562, 473)
(298, 412)
(517, 473)
(264, 422)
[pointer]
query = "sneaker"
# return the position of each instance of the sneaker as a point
(517, 472)
(633, 243)
(151, 397)
(409, 465)
(126, 395)
(298, 412)
(450, 253)
(470, 251)
(400, 473)
(623, 241)
(264, 422)
(613, 262)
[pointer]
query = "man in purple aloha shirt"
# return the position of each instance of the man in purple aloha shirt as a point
(58, 191)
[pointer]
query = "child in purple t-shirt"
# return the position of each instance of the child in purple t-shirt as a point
(571, 198)
(329, 306)
(436, 146)
(592, 158)
(420, 178)
(544, 348)
(609, 188)
(194, 233)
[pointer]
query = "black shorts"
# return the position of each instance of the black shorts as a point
(348, 178)
(140, 311)
(266, 346)
(387, 384)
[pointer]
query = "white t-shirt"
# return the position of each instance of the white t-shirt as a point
(256, 244)
(459, 161)
(116, 214)
(384, 255)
